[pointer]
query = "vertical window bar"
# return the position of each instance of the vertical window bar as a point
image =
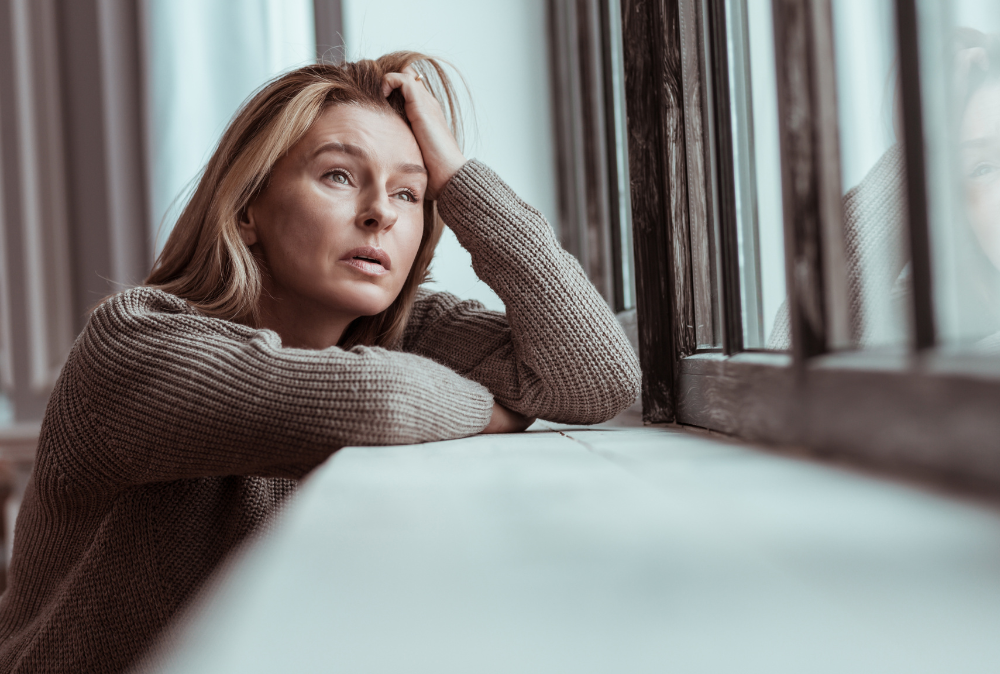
(651, 42)
(924, 336)
(834, 247)
(617, 141)
(801, 160)
(725, 188)
(701, 184)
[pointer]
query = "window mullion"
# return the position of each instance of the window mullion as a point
(801, 165)
(924, 330)
(725, 193)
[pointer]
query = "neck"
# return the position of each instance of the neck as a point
(301, 326)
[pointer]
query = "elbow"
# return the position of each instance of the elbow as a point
(621, 388)
(603, 395)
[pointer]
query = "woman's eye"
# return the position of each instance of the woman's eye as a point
(339, 177)
(408, 196)
(982, 170)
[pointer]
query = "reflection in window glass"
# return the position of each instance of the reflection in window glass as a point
(872, 171)
(757, 161)
(960, 64)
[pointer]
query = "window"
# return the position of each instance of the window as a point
(203, 60)
(859, 315)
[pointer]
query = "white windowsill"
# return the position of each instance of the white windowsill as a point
(606, 549)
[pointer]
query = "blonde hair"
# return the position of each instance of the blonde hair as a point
(206, 262)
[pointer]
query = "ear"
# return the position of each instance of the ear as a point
(248, 226)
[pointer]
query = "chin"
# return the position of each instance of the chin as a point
(366, 302)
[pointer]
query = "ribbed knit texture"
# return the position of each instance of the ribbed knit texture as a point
(170, 436)
(874, 217)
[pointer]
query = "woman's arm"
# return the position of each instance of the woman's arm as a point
(173, 395)
(558, 353)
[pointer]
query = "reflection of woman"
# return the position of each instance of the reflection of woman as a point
(874, 216)
(283, 321)
(977, 85)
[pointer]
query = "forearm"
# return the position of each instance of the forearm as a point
(176, 397)
(570, 360)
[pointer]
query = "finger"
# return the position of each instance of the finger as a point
(393, 81)
(398, 80)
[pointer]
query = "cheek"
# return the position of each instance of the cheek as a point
(300, 241)
(408, 241)
(983, 202)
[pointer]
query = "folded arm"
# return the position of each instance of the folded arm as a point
(558, 353)
(177, 395)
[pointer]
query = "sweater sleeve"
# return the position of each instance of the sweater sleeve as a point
(558, 353)
(174, 394)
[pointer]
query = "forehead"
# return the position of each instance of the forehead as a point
(384, 136)
(982, 114)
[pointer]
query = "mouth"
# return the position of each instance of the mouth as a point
(368, 260)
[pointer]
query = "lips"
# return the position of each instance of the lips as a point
(368, 260)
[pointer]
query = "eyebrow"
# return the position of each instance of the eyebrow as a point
(982, 141)
(362, 153)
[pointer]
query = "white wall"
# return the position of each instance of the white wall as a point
(499, 46)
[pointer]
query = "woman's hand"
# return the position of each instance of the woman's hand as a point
(966, 61)
(442, 156)
(507, 421)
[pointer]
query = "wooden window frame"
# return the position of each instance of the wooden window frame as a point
(585, 58)
(918, 410)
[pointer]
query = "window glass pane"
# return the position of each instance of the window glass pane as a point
(872, 171)
(757, 163)
(204, 58)
(960, 68)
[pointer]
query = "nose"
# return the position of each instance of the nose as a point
(378, 214)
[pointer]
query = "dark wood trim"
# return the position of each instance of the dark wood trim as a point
(801, 159)
(585, 104)
(830, 188)
(873, 407)
(924, 331)
(934, 415)
(657, 166)
(701, 185)
(617, 162)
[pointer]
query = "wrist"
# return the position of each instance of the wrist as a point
(449, 168)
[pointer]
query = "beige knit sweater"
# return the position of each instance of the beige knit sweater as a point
(170, 437)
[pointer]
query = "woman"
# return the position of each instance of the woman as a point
(878, 270)
(282, 321)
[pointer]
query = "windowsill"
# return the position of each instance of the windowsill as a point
(605, 549)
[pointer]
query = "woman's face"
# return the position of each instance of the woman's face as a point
(340, 220)
(980, 142)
